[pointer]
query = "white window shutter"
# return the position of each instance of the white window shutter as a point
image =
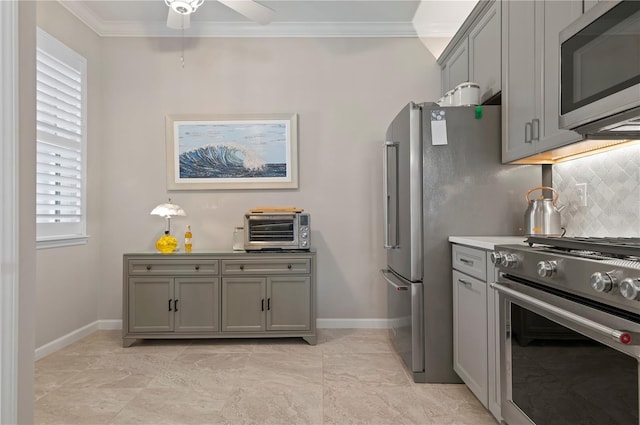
(61, 140)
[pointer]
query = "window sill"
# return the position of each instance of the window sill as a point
(61, 241)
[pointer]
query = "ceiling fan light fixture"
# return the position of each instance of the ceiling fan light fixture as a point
(184, 7)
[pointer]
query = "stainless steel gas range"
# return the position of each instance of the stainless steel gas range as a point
(570, 330)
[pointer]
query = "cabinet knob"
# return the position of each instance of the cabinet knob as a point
(289, 266)
(197, 267)
(148, 267)
(241, 266)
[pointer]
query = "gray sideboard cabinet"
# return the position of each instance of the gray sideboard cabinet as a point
(219, 295)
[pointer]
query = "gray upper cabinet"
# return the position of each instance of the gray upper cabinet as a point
(456, 68)
(484, 52)
(530, 73)
(474, 53)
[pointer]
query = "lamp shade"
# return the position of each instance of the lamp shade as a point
(168, 210)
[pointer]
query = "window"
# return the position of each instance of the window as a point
(61, 143)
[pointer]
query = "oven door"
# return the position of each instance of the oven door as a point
(600, 64)
(563, 362)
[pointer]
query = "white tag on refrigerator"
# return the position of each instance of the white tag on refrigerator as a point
(438, 128)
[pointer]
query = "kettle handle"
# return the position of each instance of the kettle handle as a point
(555, 198)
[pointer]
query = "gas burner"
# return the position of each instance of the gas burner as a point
(616, 247)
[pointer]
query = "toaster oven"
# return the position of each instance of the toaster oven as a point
(277, 231)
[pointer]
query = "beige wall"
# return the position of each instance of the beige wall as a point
(68, 278)
(346, 92)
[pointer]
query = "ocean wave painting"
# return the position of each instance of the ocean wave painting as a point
(226, 161)
(232, 151)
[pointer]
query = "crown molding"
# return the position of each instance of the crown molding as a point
(239, 29)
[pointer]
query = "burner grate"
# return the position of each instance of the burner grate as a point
(627, 247)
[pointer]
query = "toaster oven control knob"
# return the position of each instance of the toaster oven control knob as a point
(547, 268)
(603, 282)
(630, 288)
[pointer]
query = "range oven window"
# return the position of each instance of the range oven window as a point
(561, 377)
(270, 230)
(601, 59)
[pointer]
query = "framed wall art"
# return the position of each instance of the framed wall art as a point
(232, 151)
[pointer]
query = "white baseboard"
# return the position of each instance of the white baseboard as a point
(352, 323)
(76, 335)
(110, 325)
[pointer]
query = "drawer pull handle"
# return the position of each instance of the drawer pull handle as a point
(148, 267)
(169, 305)
(467, 262)
(242, 267)
(289, 266)
(197, 267)
(262, 307)
(464, 282)
(268, 303)
(175, 305)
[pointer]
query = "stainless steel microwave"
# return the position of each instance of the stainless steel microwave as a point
(277, 231)
(600, 71)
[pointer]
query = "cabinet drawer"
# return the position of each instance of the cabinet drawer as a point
(275, 266)
(471, 261)
(173, 267)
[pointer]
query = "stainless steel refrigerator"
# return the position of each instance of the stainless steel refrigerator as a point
(443, 176)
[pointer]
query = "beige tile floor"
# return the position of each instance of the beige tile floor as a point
(351, 377)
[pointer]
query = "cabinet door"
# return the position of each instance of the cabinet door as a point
(553, 16)
(151, 304)
(470, 333)
(288, 303)
(457, 67)
(243, 304)
(485, 56)
(196, 304)
(518, 78)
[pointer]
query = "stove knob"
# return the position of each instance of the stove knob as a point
(509, 260)
(547, 268)
(496, 257)
(630, 288)
(603, 282)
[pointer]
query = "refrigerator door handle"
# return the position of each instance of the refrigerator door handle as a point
(398, 287)
(386, 194)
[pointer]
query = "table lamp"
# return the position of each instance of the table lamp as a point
(167, 243)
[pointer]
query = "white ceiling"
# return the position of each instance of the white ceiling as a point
(293, 18)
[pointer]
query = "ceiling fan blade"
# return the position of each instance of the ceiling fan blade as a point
(177, 21)
(251, 9)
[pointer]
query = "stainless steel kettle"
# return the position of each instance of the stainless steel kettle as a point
(542, 217)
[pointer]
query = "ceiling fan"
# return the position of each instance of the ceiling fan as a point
(180, 11)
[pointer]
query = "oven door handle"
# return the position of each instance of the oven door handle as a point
(621, 337)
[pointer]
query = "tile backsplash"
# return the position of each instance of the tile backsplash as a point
(613, 193)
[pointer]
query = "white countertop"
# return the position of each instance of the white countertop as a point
(487, 242)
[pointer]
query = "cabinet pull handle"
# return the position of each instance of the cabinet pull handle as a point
(268, 303)
(535, 132)
(170, 305)
(197, 267)
(148, 267)
(175, 305)
(468, 262)
(241, 266)
(262, 305)
(289, 266)
(527, 134)
(464, 282)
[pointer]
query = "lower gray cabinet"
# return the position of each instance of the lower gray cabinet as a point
(279, 303)
(165, 304)
(219, 295)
